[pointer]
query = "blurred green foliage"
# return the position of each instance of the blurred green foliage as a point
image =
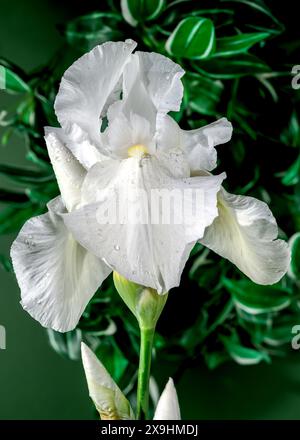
(238, 58)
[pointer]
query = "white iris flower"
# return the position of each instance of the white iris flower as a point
(116, 137)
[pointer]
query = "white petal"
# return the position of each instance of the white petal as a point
(149, 251)
(68, 171)
(197, 144)
(122, 133)
(85, 88)
(56, 275)
(162, 80)
(151, 86)
(106, 395)
(81, 148)
(168, 406)
(245, 233)
(136, 98)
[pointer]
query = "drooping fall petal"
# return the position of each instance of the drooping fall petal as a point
(57, 276)
(148, 247)
(245, 232)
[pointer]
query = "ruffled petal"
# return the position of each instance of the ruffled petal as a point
(56, 275)
(245, 232)
(104, 392)
(68, 171)
(162, 79)
(168, 405)
(151, 87)
(149, 246)
(197, 144)
(86, 87)
(79, 145)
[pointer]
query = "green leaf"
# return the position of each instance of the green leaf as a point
(254, 298)
(292, 175)
(26, 111)
(243, 355)
(229, 68)
(43, 195)
(215, 359)
(291, 134)
(236, 44)
(135, 11)
(112, 358)
(11, 219)
(294, 269)
(66, 344)
(193, 38)
(87, 31)
(261, 11)
(5, 263)
(23, 175)
(13, 82)
(204, 94)
(13, 197)
(280, 332)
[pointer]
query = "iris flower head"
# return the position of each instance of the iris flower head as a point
(118, 147)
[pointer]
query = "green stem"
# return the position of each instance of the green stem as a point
(147, 336)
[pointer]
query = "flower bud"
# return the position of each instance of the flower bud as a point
(144, 302)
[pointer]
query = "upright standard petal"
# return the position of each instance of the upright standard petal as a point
(56, 275)
(198, 144)
(85, 88)
(151, 86)
(106, 395)
(245, 232)
(68, 171)
(141, 220)
(162, 78)
(168, 406)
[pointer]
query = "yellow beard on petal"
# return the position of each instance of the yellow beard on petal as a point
(137, 150)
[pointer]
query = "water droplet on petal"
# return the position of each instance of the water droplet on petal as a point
(116, 247)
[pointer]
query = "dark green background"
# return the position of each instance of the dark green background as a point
(35, 383)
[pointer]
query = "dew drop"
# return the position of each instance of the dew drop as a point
(116, 247)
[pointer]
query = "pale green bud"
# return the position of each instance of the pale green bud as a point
(145, 303)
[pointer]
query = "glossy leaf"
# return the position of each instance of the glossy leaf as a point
(112, 358)
(243, 355)
(292, 175)
(12, 219)
(235, 67)
(87, 31)
(193, 38)
(5, 263)
(240, 43)
(265, 20)
(66, 344)
(294, 270)
(13, 197)
(135, 11)
(204, 95)
(254, 298)
(23, 175)
(13, 82)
